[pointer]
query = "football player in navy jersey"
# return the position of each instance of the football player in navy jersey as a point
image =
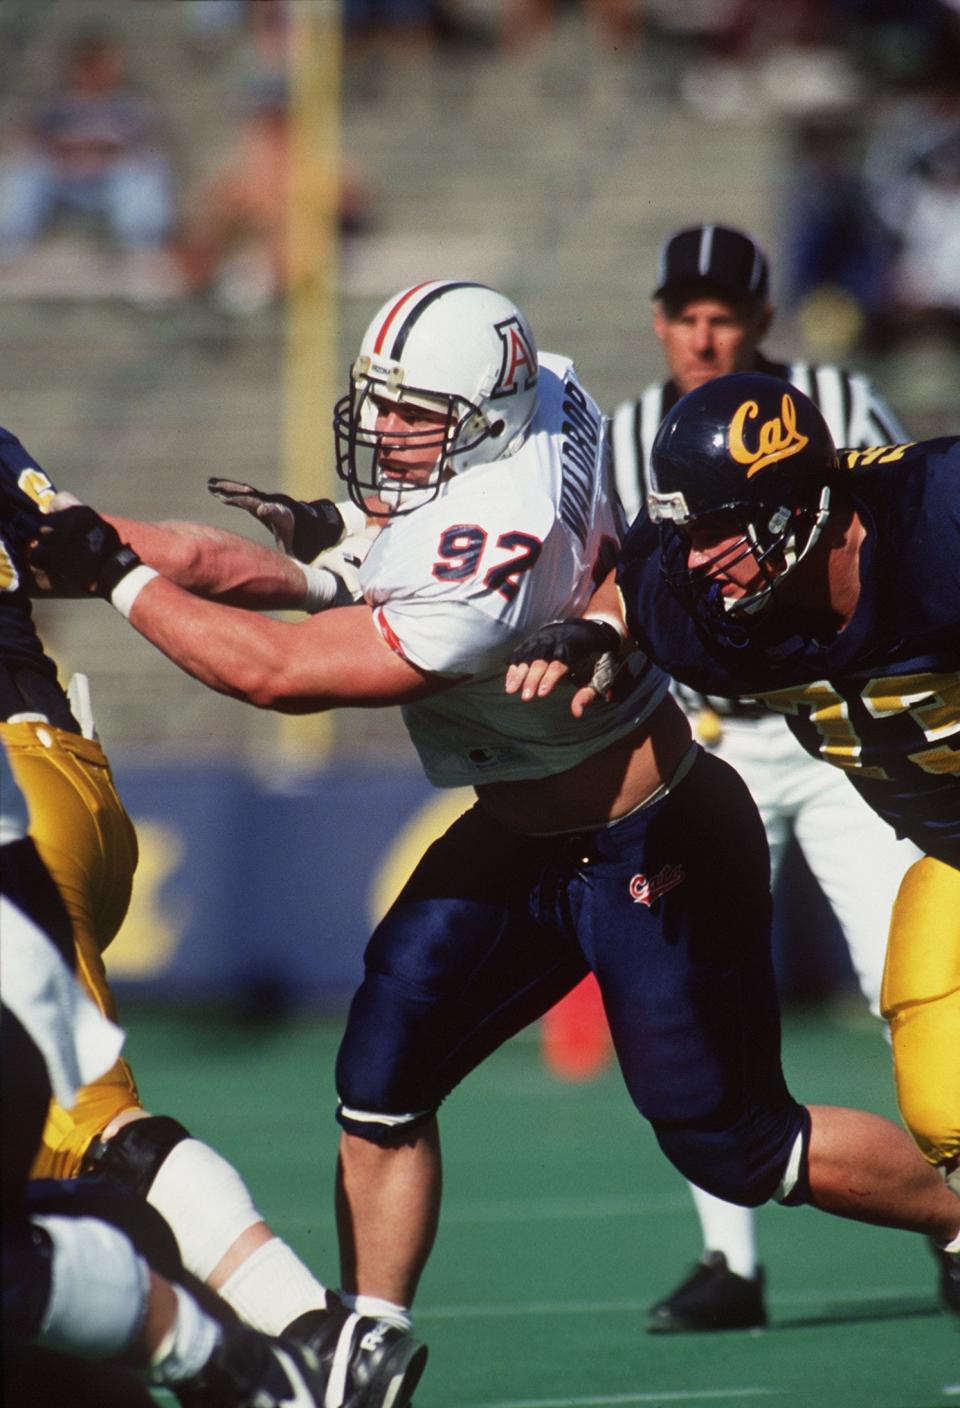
(87, 842)
(596, 843)
(712, 315)
(826, 584)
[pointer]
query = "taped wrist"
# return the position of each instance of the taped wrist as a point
(112, 571)
(129, 588)
(321, 588)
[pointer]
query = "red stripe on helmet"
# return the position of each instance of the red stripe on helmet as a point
(405, 298)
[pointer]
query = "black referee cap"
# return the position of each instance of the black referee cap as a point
(727, 260)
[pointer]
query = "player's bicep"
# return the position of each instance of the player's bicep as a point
(355, 664)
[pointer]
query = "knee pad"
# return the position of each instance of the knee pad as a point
(98, 1289)
(380, 1129)
(135, 1153)
(732, 1164)
(793, 1190)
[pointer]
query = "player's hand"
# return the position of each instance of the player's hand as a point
(78, 553)
(302, 529)
(583, 651)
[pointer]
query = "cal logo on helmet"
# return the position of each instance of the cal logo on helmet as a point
(775, 439)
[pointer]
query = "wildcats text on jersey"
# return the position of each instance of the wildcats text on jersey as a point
(580, 430)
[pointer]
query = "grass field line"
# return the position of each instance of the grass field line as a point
(607, 1400)
(565, 1209)
(812, 1296)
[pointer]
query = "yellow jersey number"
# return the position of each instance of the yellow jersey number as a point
(932, 701)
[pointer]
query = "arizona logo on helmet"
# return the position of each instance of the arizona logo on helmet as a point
(518, 368)
(777, 438)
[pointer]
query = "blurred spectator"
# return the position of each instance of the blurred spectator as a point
(93, 147)
(730, 57)
(927, 295)
(838, 256)
(615, 21)
(386, 29)
(898, 43)
(912, 171)
(234, 237)
(213, 25)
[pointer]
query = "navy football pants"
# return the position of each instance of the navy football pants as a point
(670, 907)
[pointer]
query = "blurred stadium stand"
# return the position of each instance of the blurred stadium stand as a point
(554, 173)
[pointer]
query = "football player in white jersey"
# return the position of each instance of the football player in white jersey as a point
(711, 312)
(610, 843)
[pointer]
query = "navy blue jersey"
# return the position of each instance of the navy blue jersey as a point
(881, 699)
(28, 677)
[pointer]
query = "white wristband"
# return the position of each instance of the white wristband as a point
(321, 587)
(129, 588)
(608, 619)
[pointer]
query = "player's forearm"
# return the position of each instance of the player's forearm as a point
(605, 604)
(210, 562)
(235, 652)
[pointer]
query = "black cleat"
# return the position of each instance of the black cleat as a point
(367, 1363)
(712, 1297)
(251, 1370)
(949, 1282)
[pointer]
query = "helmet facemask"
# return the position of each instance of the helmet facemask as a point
(364, 451)
(777, 544)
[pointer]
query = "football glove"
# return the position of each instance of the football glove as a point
(302, 529)
(81, 554)
(589, 649)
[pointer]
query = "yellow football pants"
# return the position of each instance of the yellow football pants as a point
(921, 1001)
(88, 844)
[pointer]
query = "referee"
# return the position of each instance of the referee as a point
(710, 313)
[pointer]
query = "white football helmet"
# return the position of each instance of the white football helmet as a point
(459, 350)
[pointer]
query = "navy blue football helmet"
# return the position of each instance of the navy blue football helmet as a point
(755, 451)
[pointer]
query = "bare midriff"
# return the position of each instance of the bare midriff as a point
(607, 785)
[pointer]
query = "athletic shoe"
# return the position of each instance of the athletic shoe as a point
(712, 1297)
(367, 1363)
(250, 1370)
(949, 1283)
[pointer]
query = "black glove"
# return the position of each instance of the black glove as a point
(80, 553)
(302, 530)
(577, 643)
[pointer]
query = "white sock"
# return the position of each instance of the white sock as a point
(272, 1288)
(376, 1309)
(728, 1228)
(188, 1345)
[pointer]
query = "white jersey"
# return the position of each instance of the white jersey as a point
(505, 548)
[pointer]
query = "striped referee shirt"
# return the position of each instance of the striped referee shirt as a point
(857, 416)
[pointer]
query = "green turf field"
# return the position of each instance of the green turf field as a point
(562, 1221)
